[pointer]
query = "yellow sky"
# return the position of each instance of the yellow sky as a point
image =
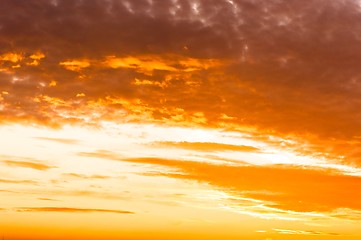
(180, 119)
(151, 181)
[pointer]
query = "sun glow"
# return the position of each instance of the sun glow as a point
(180, 119)
(56, 165)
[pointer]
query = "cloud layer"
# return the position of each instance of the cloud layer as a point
(286, 68)
(285, 187)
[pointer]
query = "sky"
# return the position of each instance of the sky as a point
(180, 119)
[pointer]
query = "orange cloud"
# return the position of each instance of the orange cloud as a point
(302, 232)
(75, 65)
(47, 199)
(60, 140)
(298, 82)
(88, 193)
(33, 165)
(36, 57)
(70, 210)
(104, 154)
(207, 146)
(145, 65)
(282, 186)
(173, 63)
(285, 187)
(11, 57)
(285, 73)
(76, 175)
(11, 181)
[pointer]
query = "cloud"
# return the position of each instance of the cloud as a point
(60, 140)
(302, 232)
(207, 146)
(172, 63)
(104, 154)
(346, 213)
(33, 165)
(7, 191)
(18, 181)
(11, 57)
(93, 191)
(48, 199)
(14, 161)
(76, 175)
(75, 65)
(272, 192)
(95, 194)
(281, 68)
(70, 210)
(284, 187)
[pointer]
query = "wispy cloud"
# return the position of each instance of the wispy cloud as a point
(7, 191)
(25, 162)
(285, 187)
(303, 232)
(83, 176)
(293, 187)
(104, 154)
(347, 213)
(33, 165)
(70, 210)
(89, 192)
(47, 199)
(207, 146)
(15, 181)
(60, 140)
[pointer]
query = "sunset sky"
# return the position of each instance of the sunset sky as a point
(180, 119)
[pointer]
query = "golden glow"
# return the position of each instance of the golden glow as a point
(36, 57)
(97, 168)
(180, 119)
(145, 65)
(52, 83)
(75, 65)
(148, 64)
(11, 57)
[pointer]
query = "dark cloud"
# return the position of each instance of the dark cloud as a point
(286, 68)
